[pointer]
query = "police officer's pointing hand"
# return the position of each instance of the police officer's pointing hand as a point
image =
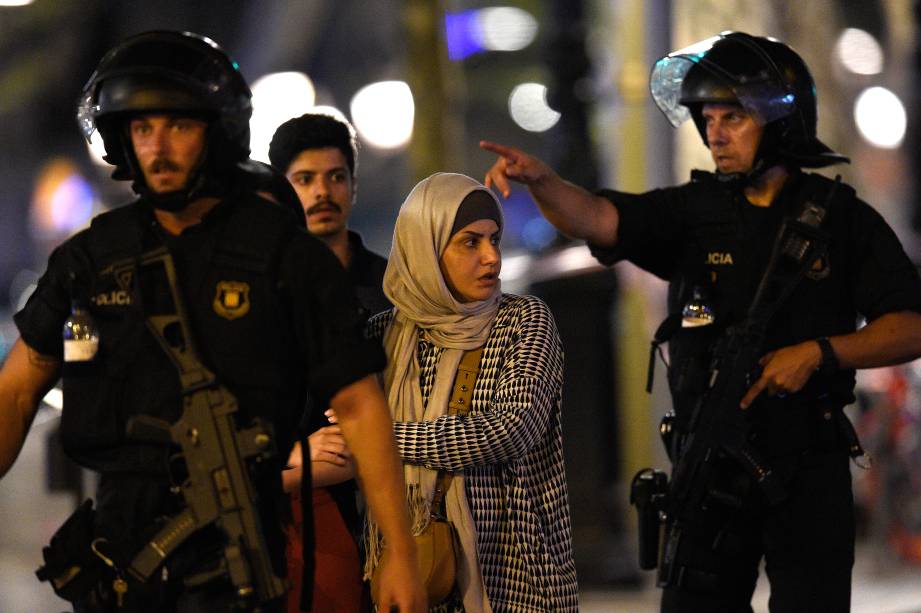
(513, 164)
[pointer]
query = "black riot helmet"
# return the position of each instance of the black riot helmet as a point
(168, 72)
(764, 76)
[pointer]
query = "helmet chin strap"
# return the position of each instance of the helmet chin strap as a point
(744, 179)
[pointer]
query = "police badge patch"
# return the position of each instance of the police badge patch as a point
(231, 299)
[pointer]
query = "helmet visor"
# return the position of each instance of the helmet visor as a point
(86, 114)
(186, 71)
(735, 71)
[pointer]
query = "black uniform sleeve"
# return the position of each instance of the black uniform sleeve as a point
(887, 281)
(328, 319)
(41, 320)
(648, 228)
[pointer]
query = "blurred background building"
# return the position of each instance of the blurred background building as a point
(423, 81)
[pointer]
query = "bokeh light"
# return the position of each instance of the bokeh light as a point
(383, 114)
(506, 28)
(528, 107)
(880, 117)
(277, 97)
(62, 201)
(499, 28)
(859, 52)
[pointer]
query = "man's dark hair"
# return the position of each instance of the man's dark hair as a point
(312, 131)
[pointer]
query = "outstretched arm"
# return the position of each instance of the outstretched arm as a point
(362, 414)
(25, 378)
(574, 211)
(891, 339)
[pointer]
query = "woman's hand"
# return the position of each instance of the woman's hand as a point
(328, 445)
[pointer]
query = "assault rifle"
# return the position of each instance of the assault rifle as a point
(218, 489)
(718, 429)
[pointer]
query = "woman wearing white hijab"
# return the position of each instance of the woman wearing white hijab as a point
(508, 500)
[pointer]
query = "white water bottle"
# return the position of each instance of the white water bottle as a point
(81, 336)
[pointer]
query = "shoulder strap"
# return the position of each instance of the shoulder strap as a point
(464, 381)
(168, 320)
(800, 241)
(467, 372)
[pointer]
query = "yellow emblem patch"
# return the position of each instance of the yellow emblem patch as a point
(231, 299)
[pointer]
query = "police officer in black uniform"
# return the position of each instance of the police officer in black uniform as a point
(753, 102)
(269, 307)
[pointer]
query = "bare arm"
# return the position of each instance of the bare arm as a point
(890, 339)
(574, 211)
(25, 378)
(323, 474)
(365, 420)
(330, 460)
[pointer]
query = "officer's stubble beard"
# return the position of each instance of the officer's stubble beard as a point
(176, 200)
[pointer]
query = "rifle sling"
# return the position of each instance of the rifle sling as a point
(775, 286)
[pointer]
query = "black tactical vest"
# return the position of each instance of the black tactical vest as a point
(242, 327)
(727, 265)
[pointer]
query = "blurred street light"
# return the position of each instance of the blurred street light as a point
(498, 28)
(859, 52)
(277, 97)
(528, 106)
(880, 117)
(383, 114)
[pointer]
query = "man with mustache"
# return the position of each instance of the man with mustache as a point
(270, 315)
(317, 153)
